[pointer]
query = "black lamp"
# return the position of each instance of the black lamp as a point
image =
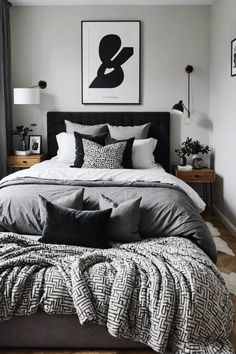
(179, 107)
(42, 84)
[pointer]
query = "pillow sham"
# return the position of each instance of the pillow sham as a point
(125, 219)
(72, 201)
(79, 148)
(66, 147)
(85, 129)
(142, 153)
(72, 227)
(122, 132)
(127, 156)
(98, 156)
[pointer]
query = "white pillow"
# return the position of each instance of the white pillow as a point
(85, 129)
(66, 147)
(142, 153)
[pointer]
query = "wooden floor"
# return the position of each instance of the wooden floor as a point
(226, 264)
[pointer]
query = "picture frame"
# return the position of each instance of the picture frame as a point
(35, 144)
(110, 62)
(233, 57)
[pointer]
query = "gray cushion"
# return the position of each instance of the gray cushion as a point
(85, 129)
(72, 201)
(125, 219)
(98, 156)
(128, 132)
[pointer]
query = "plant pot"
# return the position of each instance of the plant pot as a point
(182, 161)
(196, 161)
(22, 144)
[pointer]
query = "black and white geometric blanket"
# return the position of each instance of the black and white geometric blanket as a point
(160, 292)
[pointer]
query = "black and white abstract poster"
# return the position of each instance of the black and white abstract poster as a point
(110, 62)
(233, 57)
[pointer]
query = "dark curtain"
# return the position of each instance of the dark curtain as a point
(5, 86)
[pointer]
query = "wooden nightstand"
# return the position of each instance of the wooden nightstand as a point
(206, 176)
(26, 161)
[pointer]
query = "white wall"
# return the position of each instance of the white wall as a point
(222, 106)
(46, 44)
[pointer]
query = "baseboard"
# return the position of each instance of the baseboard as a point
(228, 224)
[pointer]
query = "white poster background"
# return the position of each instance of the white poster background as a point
(128, 91)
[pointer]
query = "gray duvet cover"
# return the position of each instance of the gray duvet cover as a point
(165, 209)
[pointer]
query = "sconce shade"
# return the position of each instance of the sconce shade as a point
(178, 108)
(26, 96)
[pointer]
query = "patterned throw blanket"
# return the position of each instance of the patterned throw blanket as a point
(159, 292)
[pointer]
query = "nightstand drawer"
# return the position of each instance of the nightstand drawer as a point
(195, 176)
(24, 161)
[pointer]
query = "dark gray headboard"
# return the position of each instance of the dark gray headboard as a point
(160, 127)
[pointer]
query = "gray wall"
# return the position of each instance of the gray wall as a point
(46, 45)
(222, 107)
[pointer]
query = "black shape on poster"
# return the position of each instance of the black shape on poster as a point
(108, 47)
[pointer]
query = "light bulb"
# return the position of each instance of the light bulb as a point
(188, 120)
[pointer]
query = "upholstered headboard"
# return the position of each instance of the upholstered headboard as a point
(160, 127)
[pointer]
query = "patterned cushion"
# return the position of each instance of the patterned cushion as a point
(127, 156)
(98, 156)
(79, 149)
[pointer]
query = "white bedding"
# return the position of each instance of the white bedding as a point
(54, 169)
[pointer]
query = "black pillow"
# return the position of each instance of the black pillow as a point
(127, 156)
(72, 227)
(79, 149)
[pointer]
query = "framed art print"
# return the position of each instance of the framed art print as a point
(35, 144)
(233, 57)
(110, 62)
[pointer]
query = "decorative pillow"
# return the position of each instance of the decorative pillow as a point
(127, 156)
(125, 219)
(142, 153)
(98, 156)
(72, 227)
(122, 132)
(79, 149)
(66, 147)
(85, 129)
(73, 201)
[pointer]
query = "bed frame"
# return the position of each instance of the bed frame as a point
(160, 128)
(64, 331)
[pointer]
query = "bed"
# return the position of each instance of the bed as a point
(165, 287)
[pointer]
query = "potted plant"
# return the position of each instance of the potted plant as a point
(194, 148)
(198, 148)
(184, 150)
(23, 133)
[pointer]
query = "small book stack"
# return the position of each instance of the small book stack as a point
(185, 168)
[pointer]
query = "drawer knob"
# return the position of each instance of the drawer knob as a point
(24, 161)
(196, 176)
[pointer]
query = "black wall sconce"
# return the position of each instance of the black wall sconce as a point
(179, 107)
(42, 84)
